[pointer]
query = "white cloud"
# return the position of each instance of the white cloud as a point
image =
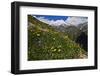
(57, 22)
(51, 22)
(70, 21)
(34, 16)
(76, 20)
(43, 19)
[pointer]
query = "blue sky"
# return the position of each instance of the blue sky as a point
(60, 20)
(52, 17)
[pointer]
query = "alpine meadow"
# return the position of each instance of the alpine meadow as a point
(57, 37)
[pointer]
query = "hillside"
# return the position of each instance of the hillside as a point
(46, 43)
(78, 33)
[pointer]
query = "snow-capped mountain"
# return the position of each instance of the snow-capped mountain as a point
(68, 22)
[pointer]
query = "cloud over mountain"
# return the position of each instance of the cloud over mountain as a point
(76, 20)
(71, 20)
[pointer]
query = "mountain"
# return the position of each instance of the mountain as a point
(83, 27)
(82, 39)
(73, 32)
(47, 43)
(78, 33)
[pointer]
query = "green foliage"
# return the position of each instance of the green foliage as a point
(45, 43)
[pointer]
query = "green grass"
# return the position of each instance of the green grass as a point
(45, 43)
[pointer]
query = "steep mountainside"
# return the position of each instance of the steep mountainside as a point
(83, 27)
(73, 31)
(46, 43)
(78, 33)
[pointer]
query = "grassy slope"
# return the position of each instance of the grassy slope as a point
(45, 43)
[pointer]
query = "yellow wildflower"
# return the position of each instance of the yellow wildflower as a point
(38, 34)
(66, 37)
(54, 49)
(59, 50)
(53, 38)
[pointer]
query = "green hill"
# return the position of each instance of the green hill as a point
(46, 43)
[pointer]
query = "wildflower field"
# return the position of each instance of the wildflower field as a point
(46, 43)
